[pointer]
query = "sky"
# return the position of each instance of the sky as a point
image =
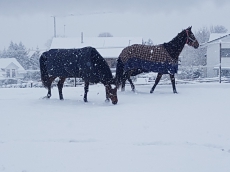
(32, 22)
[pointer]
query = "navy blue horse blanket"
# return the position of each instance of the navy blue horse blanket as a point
(85, 63)
(148, 59)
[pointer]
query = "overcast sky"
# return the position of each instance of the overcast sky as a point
(31, 23)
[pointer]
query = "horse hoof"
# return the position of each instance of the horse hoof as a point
(85, 100)
(151, 91)
(46, 97)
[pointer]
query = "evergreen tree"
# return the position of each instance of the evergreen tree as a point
(3, 54)
(22, 55)
(34, 60)
(18, 52)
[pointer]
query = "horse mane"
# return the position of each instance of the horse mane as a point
(176, 45)
(102, 68)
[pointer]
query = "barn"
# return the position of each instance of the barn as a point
(218, 55)
(108, 47)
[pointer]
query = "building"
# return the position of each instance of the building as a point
(109, 47)
(218, 54)
(10, 70)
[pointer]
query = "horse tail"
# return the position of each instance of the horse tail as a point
(119, 72)
(44, 72)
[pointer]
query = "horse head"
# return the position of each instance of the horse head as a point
(191, 40)
(111, 93)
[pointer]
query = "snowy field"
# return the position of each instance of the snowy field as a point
(159, 132)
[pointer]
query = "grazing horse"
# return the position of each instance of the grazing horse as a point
(85, 63)
(162, 58)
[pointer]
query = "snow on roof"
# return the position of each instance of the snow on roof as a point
(110, 53)
(4, 62)
(96, 42)
(216, 36)
(31, 52)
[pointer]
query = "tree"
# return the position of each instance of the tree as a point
(17, 51)
(149, 42)
(196, 57)
(3, 54)
(22, 55)
(48, 43)
(218, 29)
(105, 34)
(34, 60)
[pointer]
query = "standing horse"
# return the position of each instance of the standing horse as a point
(163, 59)
(85, 63)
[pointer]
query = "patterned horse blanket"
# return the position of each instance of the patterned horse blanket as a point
(85, 63)
(148, 59)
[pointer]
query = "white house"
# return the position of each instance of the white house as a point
(108, 47)
(10, 68)
(218, 53)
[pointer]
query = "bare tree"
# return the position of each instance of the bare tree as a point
(148, 42)
(48, 43)
(105, 34)
(196, 57)
(218, 29)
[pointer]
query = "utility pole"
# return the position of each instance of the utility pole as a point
(54, 26)
(64, 30)
(220, 64)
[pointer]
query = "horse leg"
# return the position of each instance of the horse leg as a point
(123, 82)
(123, 85)
(131, 83)
(49, 92)
(86, 88)
(172, 77)
(124, 78)
(159, 75)
(60, 86)
(51, 79)
(107, 87)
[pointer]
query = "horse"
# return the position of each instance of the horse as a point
(162, 58)
(85, 63)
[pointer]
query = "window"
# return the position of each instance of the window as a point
(8, 73)
(13, 73)
(225, 52)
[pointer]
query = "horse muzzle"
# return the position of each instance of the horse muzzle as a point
(115, 102)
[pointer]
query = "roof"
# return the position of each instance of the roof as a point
(214, 37)
(31, 52)
(107, 46)
(217, 36)
(96, 42)
(4, 62)
(110, 52)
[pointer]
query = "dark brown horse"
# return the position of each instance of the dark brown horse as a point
(163, 59)
(85, 63)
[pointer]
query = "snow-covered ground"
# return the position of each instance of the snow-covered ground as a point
(161, 132)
